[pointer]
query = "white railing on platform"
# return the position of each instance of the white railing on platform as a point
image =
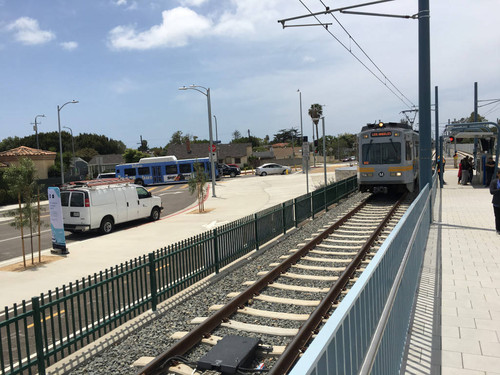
(367, 333)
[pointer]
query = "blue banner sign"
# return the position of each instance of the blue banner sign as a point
(56, 220)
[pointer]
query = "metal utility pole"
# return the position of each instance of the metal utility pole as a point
(60, 139)
(36, 130)
(304, 158)
(206, 91)
(424, 92)
(73, 148)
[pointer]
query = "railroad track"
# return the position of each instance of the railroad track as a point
(272, 321)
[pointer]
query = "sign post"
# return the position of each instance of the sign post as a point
(56, 221)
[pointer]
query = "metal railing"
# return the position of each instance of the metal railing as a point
(366, 334)
(53, 325)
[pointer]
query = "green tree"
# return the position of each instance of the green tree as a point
(176, 138)
(21, 180)
(86, 153)
(287, 136)
(133, 156)
(236, 135)
(197, 183)
(315, 112)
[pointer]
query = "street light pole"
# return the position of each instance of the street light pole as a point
(36, 131)
(73, 148)
(304, 158)
(206, 91)
(60, 139)
(216, 135)
(324, 160)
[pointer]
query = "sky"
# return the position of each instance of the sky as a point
(124, 61)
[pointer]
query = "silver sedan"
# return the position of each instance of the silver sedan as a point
(272, 168)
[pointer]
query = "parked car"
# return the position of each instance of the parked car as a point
(272, 168)
(229, 170)
(101, 204)
(350, 158)
(106, 175)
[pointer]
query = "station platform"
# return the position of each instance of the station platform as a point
(456, 325)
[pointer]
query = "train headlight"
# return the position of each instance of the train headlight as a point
(396, 174)
(397, 134)
(365, 136)
(366, 174)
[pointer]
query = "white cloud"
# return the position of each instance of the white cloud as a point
(123, 86)
(27, 31)
(195, 3)
(69, 46)
(177, 27)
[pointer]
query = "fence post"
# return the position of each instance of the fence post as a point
(216, 251)
(152, 281)
(284, 216)
(37, 322)
(295, 212)
(311, 201)
(256, 232)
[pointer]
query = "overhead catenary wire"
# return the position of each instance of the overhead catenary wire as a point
(396, 92)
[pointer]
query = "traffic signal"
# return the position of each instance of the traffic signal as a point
(452, 139)
(315, 146)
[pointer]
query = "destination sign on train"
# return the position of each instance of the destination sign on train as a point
(381, 134)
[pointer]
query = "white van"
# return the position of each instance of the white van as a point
(95, 204)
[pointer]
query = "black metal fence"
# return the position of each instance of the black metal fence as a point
(36, 334)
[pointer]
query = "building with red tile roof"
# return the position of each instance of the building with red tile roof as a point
(42, 159)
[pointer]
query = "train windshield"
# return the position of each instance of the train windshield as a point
(382, 153)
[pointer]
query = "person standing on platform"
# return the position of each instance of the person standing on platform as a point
(464, 171)
(489, 167)
(495, 191)
(455, 160)
(471, 169)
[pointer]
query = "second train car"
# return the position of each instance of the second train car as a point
(388, 157)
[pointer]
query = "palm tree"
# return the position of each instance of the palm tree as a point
(316, 111)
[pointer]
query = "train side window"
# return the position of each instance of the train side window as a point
(408, 151)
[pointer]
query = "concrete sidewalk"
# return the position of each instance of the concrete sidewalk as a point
(456, 328)
(236, 198)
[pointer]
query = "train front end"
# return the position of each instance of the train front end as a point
(388, 158)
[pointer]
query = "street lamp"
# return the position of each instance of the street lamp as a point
(36, 130)
(304, 158)
(73, 148)
(60, 139)
(216, 135)
(206, 91)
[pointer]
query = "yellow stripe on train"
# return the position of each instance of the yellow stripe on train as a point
(400, 169)
(366, 169)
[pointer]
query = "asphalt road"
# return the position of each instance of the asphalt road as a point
(174, 198)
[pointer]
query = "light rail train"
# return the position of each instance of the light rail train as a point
(388, 158)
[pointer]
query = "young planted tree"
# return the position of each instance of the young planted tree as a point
(21, 181)
(197, 184)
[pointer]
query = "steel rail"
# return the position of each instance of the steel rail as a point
(306, 331)
(204, 329)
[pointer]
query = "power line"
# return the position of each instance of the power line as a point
(368, 57)
(401, 97)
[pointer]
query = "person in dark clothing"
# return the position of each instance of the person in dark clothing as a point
(495, 191)
(464, 171)
(489, 167)
(471, 169)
